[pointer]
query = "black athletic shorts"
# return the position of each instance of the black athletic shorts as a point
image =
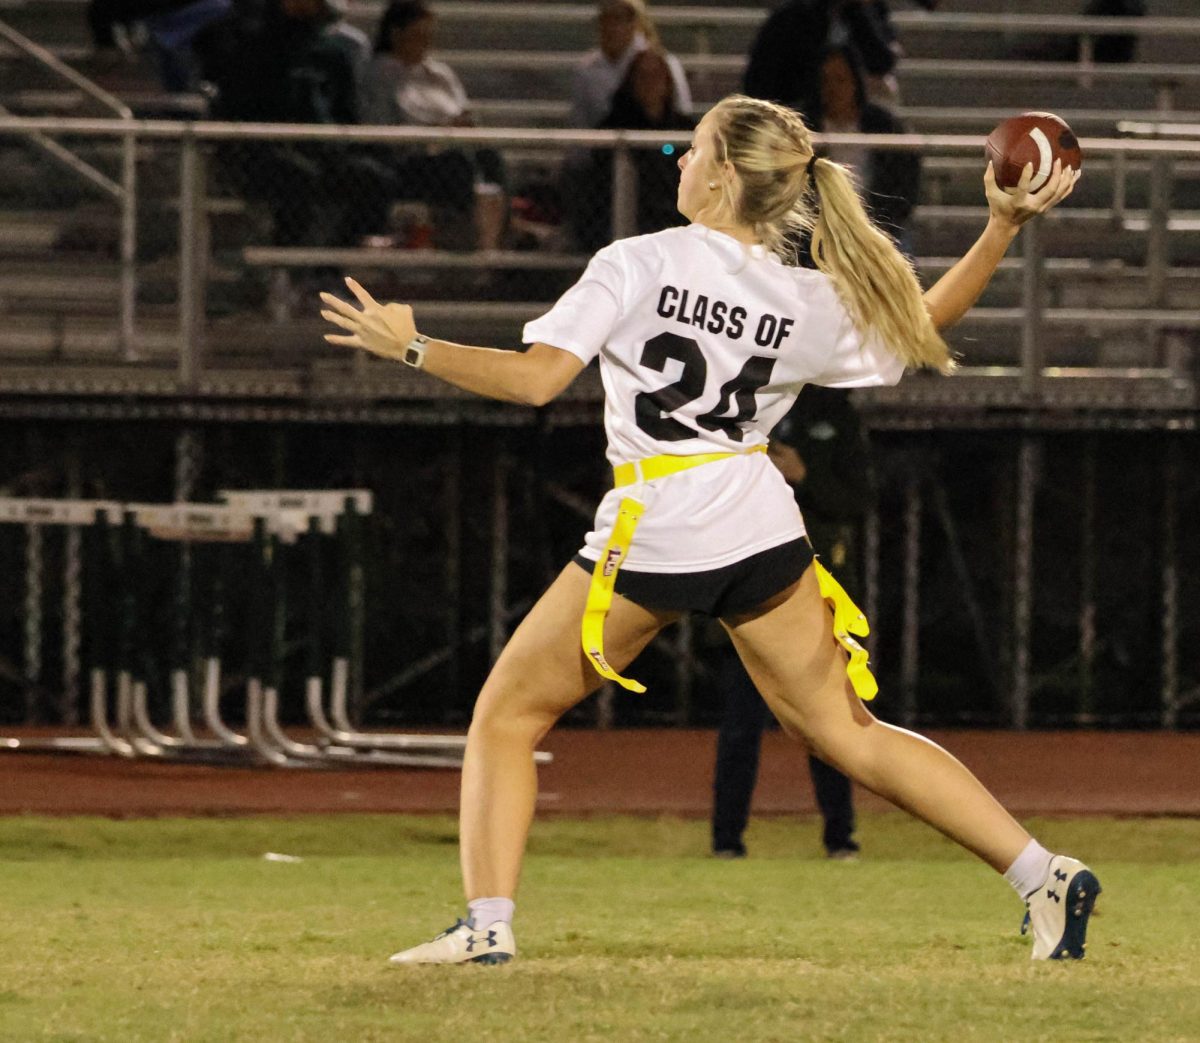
(727, 591)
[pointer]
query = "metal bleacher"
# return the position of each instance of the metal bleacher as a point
(1117, 288)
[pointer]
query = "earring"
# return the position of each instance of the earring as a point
(712, 185)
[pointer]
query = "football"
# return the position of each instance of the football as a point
(1033, 137)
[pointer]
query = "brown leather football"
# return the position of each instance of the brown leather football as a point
(1033, 137)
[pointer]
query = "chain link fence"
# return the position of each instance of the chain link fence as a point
(471, 522)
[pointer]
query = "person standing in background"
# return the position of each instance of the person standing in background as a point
(821, 450)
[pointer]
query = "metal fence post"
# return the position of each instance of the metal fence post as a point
(1170, 587)
(911, 625)
(871, 552)
(685, 670)
(33, 622)
(1028, 460)
(1087, 586)
(498, 631)
(72, 598)
(452, 521)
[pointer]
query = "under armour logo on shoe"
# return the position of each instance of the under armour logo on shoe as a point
(1054, 895)
(490, 939)
(1059, 875)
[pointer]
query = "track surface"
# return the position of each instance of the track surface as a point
(642, 772)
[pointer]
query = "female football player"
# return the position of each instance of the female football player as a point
(705, 337)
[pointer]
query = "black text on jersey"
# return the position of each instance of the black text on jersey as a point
(695, 309)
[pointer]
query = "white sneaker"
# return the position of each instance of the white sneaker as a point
(463, 943)
(1059, 910)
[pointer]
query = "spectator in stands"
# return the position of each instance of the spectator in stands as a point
(625, 29)
(891, 179)
(785, 57)
(405, 86)
(304, 64)
(645, 100)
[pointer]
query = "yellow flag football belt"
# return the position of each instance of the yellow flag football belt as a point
(847, 619)
(848, 623)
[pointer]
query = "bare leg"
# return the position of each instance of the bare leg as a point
(540, 675)
(789, 649)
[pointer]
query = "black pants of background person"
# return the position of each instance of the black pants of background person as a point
(739, 740)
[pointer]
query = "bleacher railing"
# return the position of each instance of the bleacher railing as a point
(195, 140)
(124, 191)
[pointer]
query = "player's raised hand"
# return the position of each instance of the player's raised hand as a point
(1015, 206)
(382, 329)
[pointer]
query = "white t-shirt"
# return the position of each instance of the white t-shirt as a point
(428, 94)
(704, 344)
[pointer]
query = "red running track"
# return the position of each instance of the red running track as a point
(640, 772)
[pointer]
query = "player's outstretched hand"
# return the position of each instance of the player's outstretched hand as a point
(1015, 206)
(382, 329)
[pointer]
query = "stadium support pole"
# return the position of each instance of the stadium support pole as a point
(1028, 463)
(497, 629)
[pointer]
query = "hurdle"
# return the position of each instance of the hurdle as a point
(73, 517)
(114, 577)
(338, 513)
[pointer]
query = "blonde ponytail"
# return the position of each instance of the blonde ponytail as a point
(786, 191)
(874, 279)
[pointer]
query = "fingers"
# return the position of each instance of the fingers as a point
(340, 306)
(349, 342)
(989, 176)
(364, 298)
(1026, 178)
(340, 320)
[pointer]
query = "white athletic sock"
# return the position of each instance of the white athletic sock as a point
(483, 912)
(1030, 869)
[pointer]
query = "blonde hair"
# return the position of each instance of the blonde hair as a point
(784, 190)
(641, 15)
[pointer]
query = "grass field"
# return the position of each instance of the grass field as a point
(180, 930)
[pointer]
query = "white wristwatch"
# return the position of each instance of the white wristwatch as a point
(414, 352)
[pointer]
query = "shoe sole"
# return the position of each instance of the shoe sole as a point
(1081, 900)
(489, 958)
